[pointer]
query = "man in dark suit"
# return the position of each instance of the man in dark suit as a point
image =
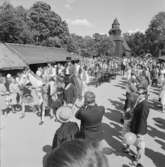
(91, 116)
(70, 94)
(139, 123)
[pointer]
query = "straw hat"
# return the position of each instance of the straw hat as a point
(64, 114)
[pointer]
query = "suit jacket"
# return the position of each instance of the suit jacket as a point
(139, 120)
(91, 122)
(70, 94)
(66, 132)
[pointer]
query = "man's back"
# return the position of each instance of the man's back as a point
(91, 117)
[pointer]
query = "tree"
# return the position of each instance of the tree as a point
(46, 24)
(104, 45)
(95, 46)
(10, 24)
(137, 43)
(155, 34)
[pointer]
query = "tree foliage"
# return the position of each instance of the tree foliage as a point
(38, 25)
(11, 25)
(153, 40)
(137, 43)
(96, 46)
(41, 26)
(155, 34)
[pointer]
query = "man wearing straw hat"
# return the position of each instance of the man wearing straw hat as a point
(91, 116)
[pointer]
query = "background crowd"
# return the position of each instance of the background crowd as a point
(54, 90)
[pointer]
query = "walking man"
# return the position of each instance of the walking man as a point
(139, 124)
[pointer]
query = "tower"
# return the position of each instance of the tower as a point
(115, 34)
(115, 30)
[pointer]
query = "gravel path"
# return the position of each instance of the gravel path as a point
(25, 143)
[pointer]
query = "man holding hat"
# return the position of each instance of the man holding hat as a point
(91, 116)
(139, 123)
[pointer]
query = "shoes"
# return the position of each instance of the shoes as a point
(22, 116)
(41, 123)
(139, 165)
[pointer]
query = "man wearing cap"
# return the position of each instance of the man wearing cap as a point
(91, 116)
(139, 123)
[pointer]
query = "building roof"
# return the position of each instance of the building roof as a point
(34, 54)
(9, 60)
(116, 22)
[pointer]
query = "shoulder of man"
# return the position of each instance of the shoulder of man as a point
(145, 103)
(100, 108)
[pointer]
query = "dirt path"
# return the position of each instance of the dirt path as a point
(25, 143)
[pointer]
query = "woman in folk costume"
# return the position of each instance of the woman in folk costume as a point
(3, 93)
(161, 78)
(128, 74)
(162, 96)
(79, 84)
(14, 92)
(52, 94)
(83, 79)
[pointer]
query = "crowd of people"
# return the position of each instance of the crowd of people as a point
(140, 75)
(59, 88)
(50, 87)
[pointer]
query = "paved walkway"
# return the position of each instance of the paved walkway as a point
(25, 143)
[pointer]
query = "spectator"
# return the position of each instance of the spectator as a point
(68, 130)
(139, 124)
(91, 116)
(76, 153)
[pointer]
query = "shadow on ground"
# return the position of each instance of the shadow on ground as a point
(118, 105)
(153, 132)
(157, 158)
(160, 123)
(161, 143)
(113, 138)
(155, 105)
(112, 131)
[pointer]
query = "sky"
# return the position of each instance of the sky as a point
(86, 17)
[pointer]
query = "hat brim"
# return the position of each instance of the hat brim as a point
(60, 119)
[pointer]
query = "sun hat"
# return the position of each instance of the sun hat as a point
(64, 114)
(89, 97)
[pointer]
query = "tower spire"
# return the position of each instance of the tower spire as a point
(115, 30)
